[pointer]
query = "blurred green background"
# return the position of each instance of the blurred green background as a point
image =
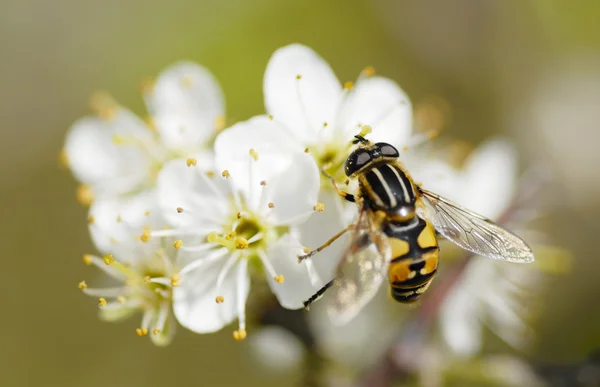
(524, 69)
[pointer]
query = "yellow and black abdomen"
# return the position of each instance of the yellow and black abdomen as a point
(414, 258)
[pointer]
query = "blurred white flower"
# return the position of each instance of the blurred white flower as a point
(116, 152)
(245, 209)
(277, 348)
(488, 292)
(144, 271)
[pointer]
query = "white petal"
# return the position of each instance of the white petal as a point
(303, 104)
(380, 103)
(271, 143)
(203, 199)
(435, 175)
(112, 155)
(276, 348)
(322, 226)
(460, 325)
(294, 192)
(490, 178)
(194, 300)
(296, 288)
(118, 224)
(186, 102)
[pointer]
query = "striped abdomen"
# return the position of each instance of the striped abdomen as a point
(414, 259)
(387, 187)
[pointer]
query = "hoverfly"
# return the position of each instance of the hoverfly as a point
(395, 234)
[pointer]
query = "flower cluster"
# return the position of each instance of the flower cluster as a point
(187, 214)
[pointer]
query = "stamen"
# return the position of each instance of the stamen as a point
(104, 292)
(198, 248)
(146, 319)
(82, 285)
(91, 219)
(108, 259)
(179, 210)
(239, 334)
(226, 174)
(271, 205)
(365, 130)
(368, 71)
(84, 195)
(147, 213)
(176, 232)
(241, 243)
(348, 85)
(141, 331)
(225, 270)
(87, 259)
(298, 77)
(242, 279)
(220, 299)
(306, 150)
(191, 162)
(256, 237)
(103, 105)
(175, 278)
(269, 267)
(254, 154)
(177, 244)
(163, 314)
(63, 158)
(220, 123)
(270, 116)
(145, 236)
(319, 207)
(101, 302)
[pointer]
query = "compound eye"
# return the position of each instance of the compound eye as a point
(362, 158)
(356, 161)
(387, 150)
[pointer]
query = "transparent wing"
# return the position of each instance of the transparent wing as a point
(360, 272)
(473, 232)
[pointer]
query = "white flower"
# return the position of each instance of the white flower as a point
(115, 152)
(488, 292)
(246, 208)
(317, 113)
(145, 270)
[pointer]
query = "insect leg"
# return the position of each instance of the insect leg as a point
(326, 244)
(318, 294)
(345, 195)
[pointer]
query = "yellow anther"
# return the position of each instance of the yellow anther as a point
(179, 210)
(270, 117)
(87, 259)
(101, 302)
(178, 243)
(306, 250)
(369, 71)
(271, 205)
(141, 332)
(348, 85)
(147, 279)
(404, 148)
(108, 259)
(254, 154)
(298, 76)
(186, 81)
(364, 130)
(175, 278)
(63, 158)
(226, 174)
(220, 123)
(191, 161)
(239, 334)
(239, 215)
(319, 207)
(119, 219)
(91, 219)
(147, 86)
(212, 237)
(147, 213)
(82, 285)
(84, 195)
(145, 236)
(230, 236)
(263, 182)
(210, 174)
(220, 299)
(325, 124)
(241, 243)
(156, 331)
(103, 105)
(306, 150)
(279, 278)
(121, 299)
